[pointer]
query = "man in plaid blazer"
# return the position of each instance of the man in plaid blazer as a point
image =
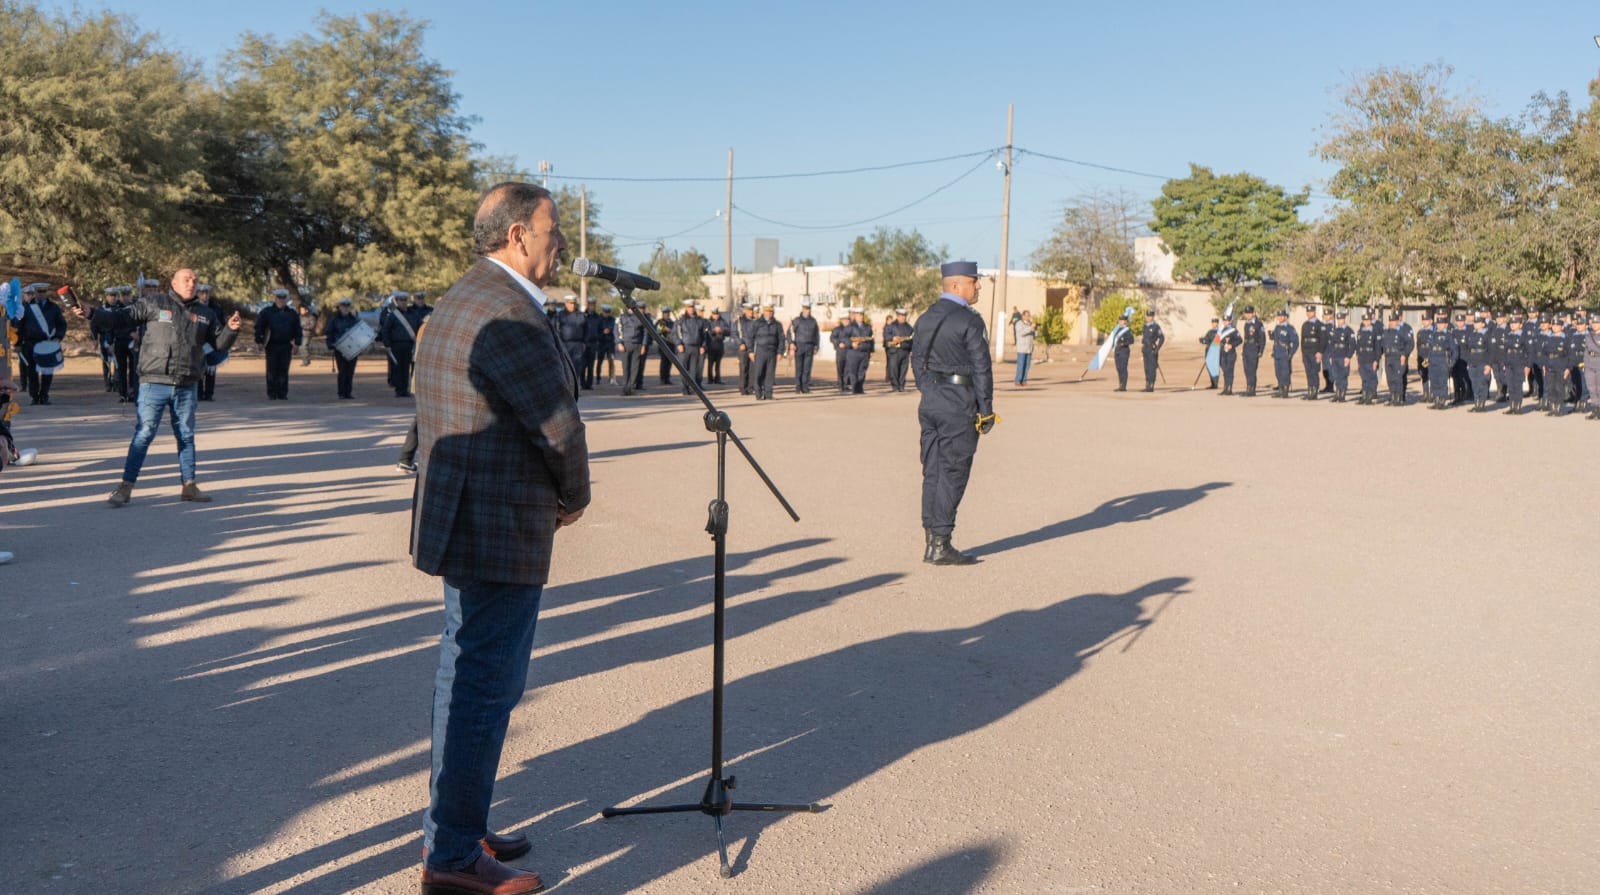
(502, 463)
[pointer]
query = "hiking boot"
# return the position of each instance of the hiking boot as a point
(121, 496)
(193, 494)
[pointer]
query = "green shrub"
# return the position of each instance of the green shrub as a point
(1104, 319)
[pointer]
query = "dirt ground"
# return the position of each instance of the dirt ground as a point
(1214, 645)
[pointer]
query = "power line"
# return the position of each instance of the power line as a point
(646, 240)
(739, 177)
(878, 217)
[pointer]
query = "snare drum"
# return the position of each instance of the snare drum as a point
(358, 339)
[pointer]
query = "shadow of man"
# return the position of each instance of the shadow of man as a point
(1132, 508)
(809, 730)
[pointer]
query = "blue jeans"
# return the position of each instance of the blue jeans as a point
(154, 401)
(1024, 363)
(483, 669)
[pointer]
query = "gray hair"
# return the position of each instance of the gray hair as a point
(511, 202)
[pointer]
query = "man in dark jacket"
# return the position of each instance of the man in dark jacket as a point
(767, 344)
(950, 357)
(689, 335)
(344, 320)
(171, 363)
(278, 332)
(631, 340)
(804, 337)
(40, 332)
(399, 334)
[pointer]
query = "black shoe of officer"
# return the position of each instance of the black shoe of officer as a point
(945, 554)
(927, 550)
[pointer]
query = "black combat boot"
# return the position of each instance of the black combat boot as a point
(944, 553)
(927, 550)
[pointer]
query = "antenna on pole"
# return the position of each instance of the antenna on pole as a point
(727, 240)
(1005, 246)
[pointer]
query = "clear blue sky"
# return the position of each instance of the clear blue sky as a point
(659, 89)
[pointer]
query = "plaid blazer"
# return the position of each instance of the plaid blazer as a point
(500, 442)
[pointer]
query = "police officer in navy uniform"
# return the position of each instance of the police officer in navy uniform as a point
(1205, 345)
(1285, 342)
(897, 349)
(1369, 353)
(1150, 343)
(716, 346)
(573, 327)
(1515, 356)
(596, 336)
(744, 331)
(1576, 329)
(863, 343)
(950, 358)
(102, 341)
(42, 324)
(1254, 333)
(278, 331)
(804, 337)
(1460, 379)
(839, 338)
(1327, 334)
(344, 319)
(767, 344)
(1441, 360)
(1228, 342)
(1397, 345)
(1341, 346)
(1313, 342)
(1478, 350)
(689, 335)
(1122, 349)
(631, 339)
(664, 325)
(1553, 356)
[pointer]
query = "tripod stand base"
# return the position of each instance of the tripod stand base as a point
(715, 803)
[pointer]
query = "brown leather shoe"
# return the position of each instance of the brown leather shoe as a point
(506, 848)
(486, 876)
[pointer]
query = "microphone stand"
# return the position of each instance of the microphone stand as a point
(716, 801)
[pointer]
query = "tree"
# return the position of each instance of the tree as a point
(1226, 230)
(343, 156)
(1092, 245)
(893, 269)
(1109, 313)
(1054, 328)
(679, 274)
(1394, 138)
(99, 144)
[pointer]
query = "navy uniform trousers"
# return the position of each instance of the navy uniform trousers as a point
(948, 414)
(1368, 367)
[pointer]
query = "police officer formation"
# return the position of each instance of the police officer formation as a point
(702, 338)
(1487, 358)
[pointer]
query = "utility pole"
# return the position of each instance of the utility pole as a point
(544, 174)
(583, 243)
(1005, 246)
(727, 239)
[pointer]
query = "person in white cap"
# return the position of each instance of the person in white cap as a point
(278, 332)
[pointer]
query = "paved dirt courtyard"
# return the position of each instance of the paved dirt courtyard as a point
(1214, 645)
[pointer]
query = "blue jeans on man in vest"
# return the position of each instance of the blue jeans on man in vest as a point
(154, 401)
(1024, 363)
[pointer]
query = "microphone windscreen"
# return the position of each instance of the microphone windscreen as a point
(583, 267)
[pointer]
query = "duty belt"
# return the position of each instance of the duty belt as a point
(953, 378)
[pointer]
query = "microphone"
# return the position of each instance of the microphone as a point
(623, 279)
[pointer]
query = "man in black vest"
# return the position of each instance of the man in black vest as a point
(175, 345)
